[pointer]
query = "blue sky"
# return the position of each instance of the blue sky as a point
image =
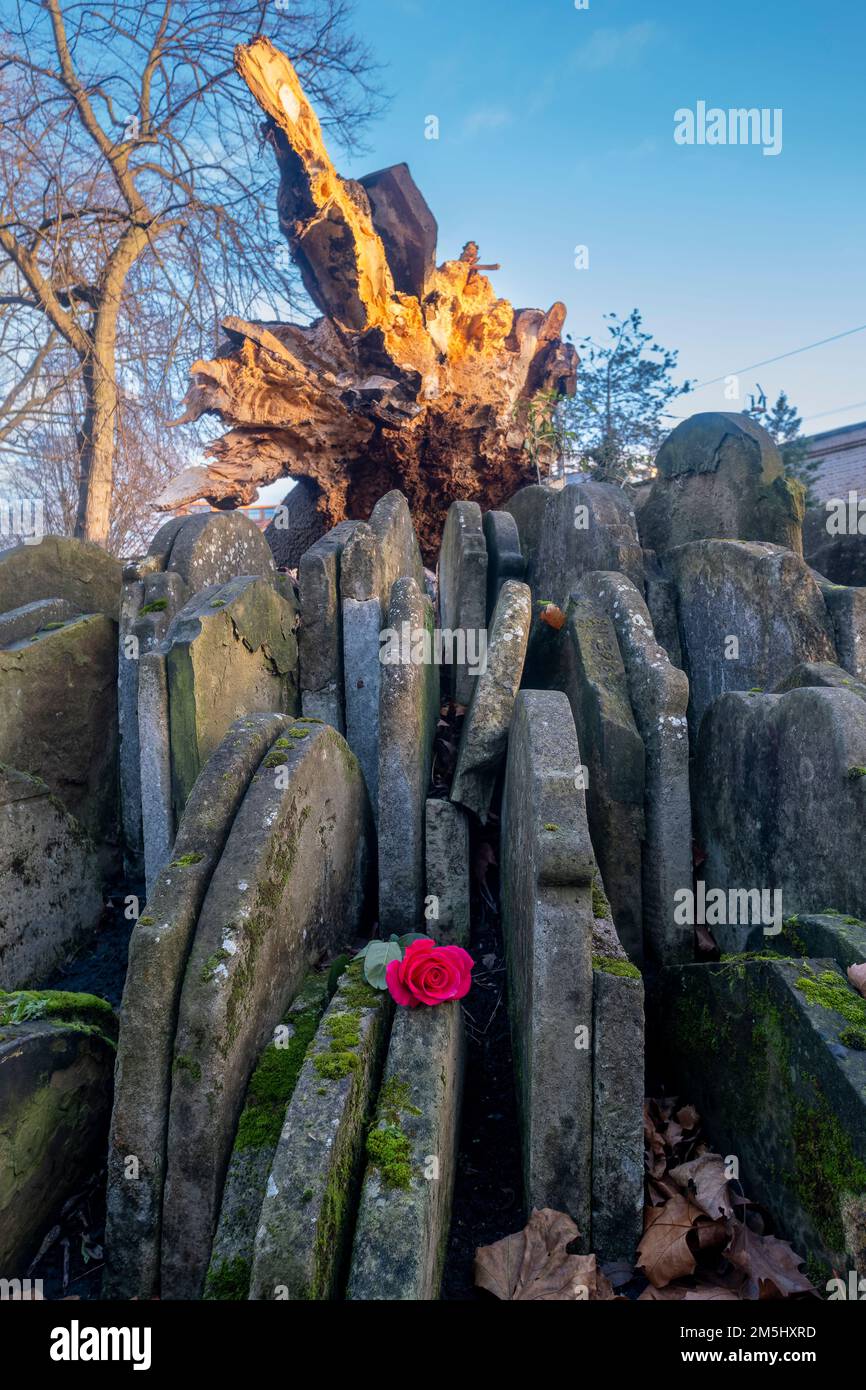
(556, 130)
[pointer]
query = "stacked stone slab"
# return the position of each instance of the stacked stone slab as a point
(232, 945)
(305, 1224)
(770, 1053)
(83, 574)
(721, 475)
(374, 557)
(659, 695)
(800, 758)
(56, 1065)
(748, 613)
(408, 714)
(590, 671)
(847, 609)
(188, 553)
(463, 591)
(484, 735)
(837, 553)
(320, 636)
(298, 524)
(405, 1208)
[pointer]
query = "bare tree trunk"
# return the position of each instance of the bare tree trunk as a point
(96, 446)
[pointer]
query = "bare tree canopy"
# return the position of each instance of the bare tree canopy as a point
(133, 209)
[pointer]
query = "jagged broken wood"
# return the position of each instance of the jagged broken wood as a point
(412, 377)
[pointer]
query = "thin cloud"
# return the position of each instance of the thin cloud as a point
(485, 119)
(613, 48)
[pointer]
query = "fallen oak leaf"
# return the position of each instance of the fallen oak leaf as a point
(534, 1265)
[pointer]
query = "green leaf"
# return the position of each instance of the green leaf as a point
(377, 957)
(410, 936)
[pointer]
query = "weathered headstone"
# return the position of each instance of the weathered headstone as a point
(463, 591)
(801, 758)
(748, 613)
(289, 888)
(306, 1217)
(408, 713)
(404, 1213)
(617, 1115)
(446, 857)
(212, 548)
(547, 869)
(659, 694)
(54, 1105)
(823, 674)
(770, 1053)
(484, 734)
(583, 527)
(44, 613)
(58, 720)
(50, 884)
(158, 952)
(847, 609)
(271, 1087)
(721, 475)
(838, 552)
(320, 636)
(59, 567)
(231, 651)
(405, 224)
(297, 525)
(504, 556)
(592, 675)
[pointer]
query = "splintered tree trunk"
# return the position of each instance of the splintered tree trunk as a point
(413, 376)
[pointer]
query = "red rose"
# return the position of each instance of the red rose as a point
(429, 974)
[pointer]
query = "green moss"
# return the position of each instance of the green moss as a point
(395, 1099)
(831, 991)
(340, 1058)
(158, 605)
(355, 991)
(189, 1065)
(85, 1012)
(389, 1151)
(307, 1194)
(756, 690)
(610, 966)
(551, 826)
(856, 772)
(229, 1279)
(275, 760)
(185, 860)
(825, 1169)
(218, 603)
(600, 905)
(282, 743)
(147, 921)
(299, 733)
(854, 1037)
(51, 627)
(272, 1084)
(209, 969)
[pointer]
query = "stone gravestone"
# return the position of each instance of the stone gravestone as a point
(592, 675)
(847, 609)
(799, 757)
(231, 651)
(401, 1233)
(320, 636)
(408, 713)
(463, 591)
(297, 525)
(61, 568)
(659, 694)
(833, 546)
(54, 1104)
(504, 556)
(547, 870)
(721, 475)
(158, 951)
(748, 613)
(484, 734)
(50, 884)
(446, 857)
(375, 555)
(58, 720)
(289, 887)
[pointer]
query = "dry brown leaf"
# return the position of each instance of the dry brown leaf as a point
(771, 1266)
(688, 1117)
(857, 976)
(678, 1293)
(534, 1264)
(710, 1182)
(664, 1254)
(553, 616)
